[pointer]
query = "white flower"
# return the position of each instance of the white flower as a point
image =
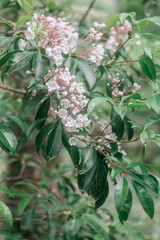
(30, 34)
(80, 88)
(65, 103)
(62, 113)
(22, 44)
(73, 141)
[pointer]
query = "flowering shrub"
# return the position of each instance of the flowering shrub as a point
(67, 70)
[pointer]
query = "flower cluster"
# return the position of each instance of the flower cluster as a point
(116, 34)
(55, 35)
(71, 98)
(117, 83)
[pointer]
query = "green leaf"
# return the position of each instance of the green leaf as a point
(39, 65)
(18, 61)
(41, 135)
(125, 210)
(115, 172)
(74, 154)
(121, 111)
(6, 214)
(33, 103)
(144, 180)
(43, 111)
(100, 182)
(5, 190)
(103, 197)
(112, 21)
(120, 193)
(6, 41)
(100, 223)
(54, 143)
(73, 225)
(151, 121)
(129, 128)
(139, 167)
(86, 180)
(155, 168)
(23, 204)
(7, 234)
(94, 102)
(23, 19)
(88, 159)
(17, 121)
(27, 219)
(87, 72)
(34, 125)
(123, 16)
(117, 124)
(144, 198)
(155, 140)
(148, 67)
(154, 102)
(5, 58)
(8, 138)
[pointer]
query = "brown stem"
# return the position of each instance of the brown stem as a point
(12, 89)
(125, 61)
(129, 36)
(87, 12)
(107, 156)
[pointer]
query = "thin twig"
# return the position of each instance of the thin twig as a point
(129, 36)
(125, 61)
(12, 89)
(87, 12)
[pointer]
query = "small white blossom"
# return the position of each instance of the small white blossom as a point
(73, 141)
(62, 113)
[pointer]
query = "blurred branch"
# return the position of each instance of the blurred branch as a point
(12, 89)
(87, 12)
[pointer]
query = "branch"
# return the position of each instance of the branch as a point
(129, 36)
(12, 89)
(87, 12)
(125, 61)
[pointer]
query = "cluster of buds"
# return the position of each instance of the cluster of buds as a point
(56, 36)
(116, 35)
(71, 98)
(116, 83)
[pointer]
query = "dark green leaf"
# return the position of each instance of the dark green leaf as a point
(41, 135)
(54, 143)
(117, 124)
(33, 103)
(144, 198)
(125, 210)
(121, 111)
(34, 125)
(103, 197)
(8, 138)
(148, 67)
(5, 58)
(120, 194)
(86, 180)
(17, 121)
(74, 153)
(43, 111)
(144, 180)
(88, 159)
(93, 104)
